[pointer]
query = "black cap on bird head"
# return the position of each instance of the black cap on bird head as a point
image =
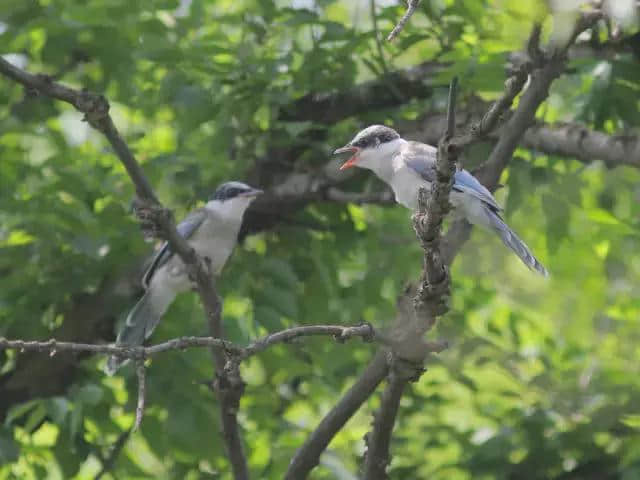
(370, 137)
(230, 190)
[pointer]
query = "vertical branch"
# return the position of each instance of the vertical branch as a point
(378, 441)
(141, 374)
(408, 354)
(451, 109)
(229, 387)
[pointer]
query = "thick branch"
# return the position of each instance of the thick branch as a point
(586, 145)
(110, 460)
(308, 455)
(523, 117)
(379, 440)
(428, 303)
(547, 69)
(427, 222)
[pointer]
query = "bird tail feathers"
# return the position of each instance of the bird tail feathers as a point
(511, 240)
(141, 321)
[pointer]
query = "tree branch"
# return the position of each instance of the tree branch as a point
(379, 440)
(141, 374)
(412, 5)
(538, 90)
(428, 303)
(308, 455)
(339, 332)
(586, 145)
(109, 461)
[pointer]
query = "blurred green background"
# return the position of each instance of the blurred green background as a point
(542, 379)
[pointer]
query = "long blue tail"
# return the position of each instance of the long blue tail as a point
(141, 321)
(511, 240)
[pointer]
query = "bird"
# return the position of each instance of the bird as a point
(406, 166)
(212, 231)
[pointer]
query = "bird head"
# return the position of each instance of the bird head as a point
(370, 146)
(233, 198)
(229, 191)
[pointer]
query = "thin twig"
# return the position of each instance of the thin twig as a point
(339, 333)
(52, 346)
(412, 5)
(141, 374)
(376, 36)
(116, 448)
(512, 87)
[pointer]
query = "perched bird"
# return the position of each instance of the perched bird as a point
(213, 232)
(407, 166)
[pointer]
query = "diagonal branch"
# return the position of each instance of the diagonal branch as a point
(308, 455)
(109, 461)
(548, 67)
(412, 5)
(379, 440)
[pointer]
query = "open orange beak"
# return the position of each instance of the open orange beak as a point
(352, 160)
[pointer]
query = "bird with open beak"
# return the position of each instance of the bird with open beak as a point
(407, 166)
(212, 231)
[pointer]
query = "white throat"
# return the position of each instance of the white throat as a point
(380, 159)
(230, 210)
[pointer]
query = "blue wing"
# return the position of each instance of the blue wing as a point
(162, 256)
(467, 183)
(421, 158)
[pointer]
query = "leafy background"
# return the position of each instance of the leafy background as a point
(542, 378)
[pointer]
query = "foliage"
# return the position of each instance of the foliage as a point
(541, 379)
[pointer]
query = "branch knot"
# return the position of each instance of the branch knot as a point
(95, 108)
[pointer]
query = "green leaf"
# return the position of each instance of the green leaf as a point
(9, 449)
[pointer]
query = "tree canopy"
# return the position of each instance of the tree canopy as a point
(541, 376)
